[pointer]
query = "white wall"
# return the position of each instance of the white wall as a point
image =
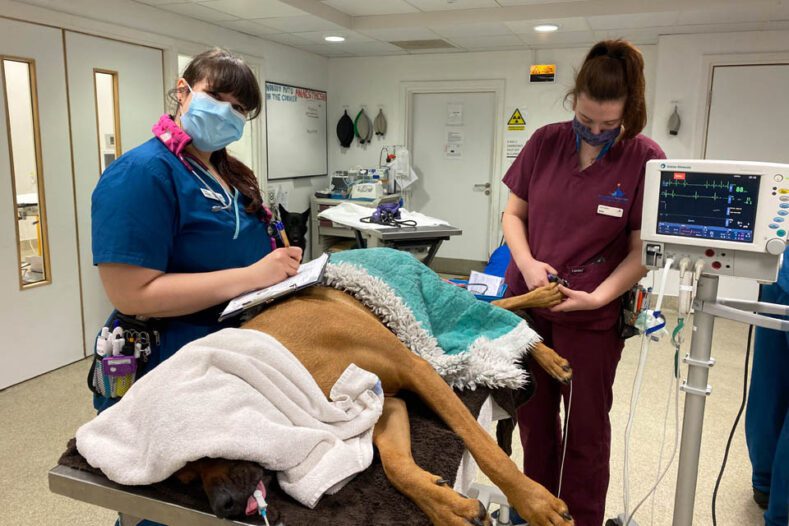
(682, 76)
(375, 82)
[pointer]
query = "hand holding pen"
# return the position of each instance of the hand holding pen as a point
(276, 266)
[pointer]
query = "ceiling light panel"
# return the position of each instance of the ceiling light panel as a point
(565, 24)
(319, 36)
(371, 8)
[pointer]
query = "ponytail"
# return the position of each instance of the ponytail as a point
(614, 70)
(238, 175)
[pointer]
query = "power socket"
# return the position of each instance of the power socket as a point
(271, 195)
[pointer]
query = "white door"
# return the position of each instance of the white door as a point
(39, 280)
(451, 145)
(117, 93)
(747, 122)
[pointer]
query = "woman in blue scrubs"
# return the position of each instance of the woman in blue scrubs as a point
(178, 224)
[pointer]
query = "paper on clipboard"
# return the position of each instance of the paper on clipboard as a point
(308, 274)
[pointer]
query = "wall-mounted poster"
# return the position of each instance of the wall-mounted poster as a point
(296, 138)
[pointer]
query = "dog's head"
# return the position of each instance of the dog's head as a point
(228, 484)
(295, 226)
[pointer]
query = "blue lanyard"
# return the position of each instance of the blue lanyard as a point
(606, 147)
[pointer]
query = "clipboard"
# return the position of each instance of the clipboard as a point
(309, 274)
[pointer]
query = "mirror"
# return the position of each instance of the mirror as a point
(107, 116)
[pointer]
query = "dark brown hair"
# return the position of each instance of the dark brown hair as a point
(226, 73)
(614, 70)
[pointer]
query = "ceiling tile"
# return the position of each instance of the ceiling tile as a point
(370, 8)
(251, 27)
(565, 24)
(717, 28)
(636, 21)
(302, 24)
(777, 25)
(199, 11)
(506, 3)
(488, 43)
(372, 48)
(473, 30)
(728, 15)
(560, 38)
(326, 51)
(397, 34)
(444, 5)
(435, 51)
(161, 2)
(641, 36)
(254, 8)
(290, 40)
(318, 37)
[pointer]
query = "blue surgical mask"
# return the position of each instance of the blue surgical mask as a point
(595, 139)
(212, 124)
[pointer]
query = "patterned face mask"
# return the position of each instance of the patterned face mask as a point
(595, 139)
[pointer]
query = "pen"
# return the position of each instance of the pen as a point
(282, 235)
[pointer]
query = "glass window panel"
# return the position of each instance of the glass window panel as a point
(107, 117)
(27, 181)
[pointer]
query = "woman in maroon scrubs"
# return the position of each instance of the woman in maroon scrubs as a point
(574, 211)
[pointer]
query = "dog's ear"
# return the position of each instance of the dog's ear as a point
(282, 212)
(306, 216)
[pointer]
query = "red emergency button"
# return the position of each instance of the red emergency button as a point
(716, 265)
(709, 253)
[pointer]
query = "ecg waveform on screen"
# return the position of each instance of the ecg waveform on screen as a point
(707, 205)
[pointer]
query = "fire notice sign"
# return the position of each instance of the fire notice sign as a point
(542, 73)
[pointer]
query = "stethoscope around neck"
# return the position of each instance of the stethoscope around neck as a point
(226, 200)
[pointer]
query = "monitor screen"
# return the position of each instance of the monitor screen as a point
(708, 205)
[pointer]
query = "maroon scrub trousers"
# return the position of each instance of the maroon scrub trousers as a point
(579, 222)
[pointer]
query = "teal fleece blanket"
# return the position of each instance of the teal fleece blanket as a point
(469, 342)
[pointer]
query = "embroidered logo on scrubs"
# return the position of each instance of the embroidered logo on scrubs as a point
(617, 196)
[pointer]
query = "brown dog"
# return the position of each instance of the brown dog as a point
(327, 344)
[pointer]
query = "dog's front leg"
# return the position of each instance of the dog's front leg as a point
(442, 505)
(533, 501)
(542, 297)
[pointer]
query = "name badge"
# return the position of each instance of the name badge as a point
(609, 211)
(212, 195)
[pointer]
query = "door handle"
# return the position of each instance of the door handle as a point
(483, 186)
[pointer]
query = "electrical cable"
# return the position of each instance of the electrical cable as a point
(733, 427)
(564, 439)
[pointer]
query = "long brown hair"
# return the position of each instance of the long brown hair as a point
(226, 73)
(614, 70)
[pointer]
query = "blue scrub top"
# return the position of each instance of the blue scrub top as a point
(148, 210)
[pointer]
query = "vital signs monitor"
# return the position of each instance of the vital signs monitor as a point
(733, 215)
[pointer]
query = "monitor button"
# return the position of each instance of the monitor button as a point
(773, 226)
(782, 212)
(781, 233)
(784, 205)
(778, 178)
(778, 219)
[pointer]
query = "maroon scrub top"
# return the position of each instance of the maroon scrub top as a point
(564, 225)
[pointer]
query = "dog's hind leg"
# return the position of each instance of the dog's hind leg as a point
(435, 498)
(533, 501)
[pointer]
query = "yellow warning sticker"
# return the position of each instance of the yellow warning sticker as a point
(516, 122)
(542, 73)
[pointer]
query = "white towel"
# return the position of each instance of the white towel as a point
(350, 214)
(238, 394)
